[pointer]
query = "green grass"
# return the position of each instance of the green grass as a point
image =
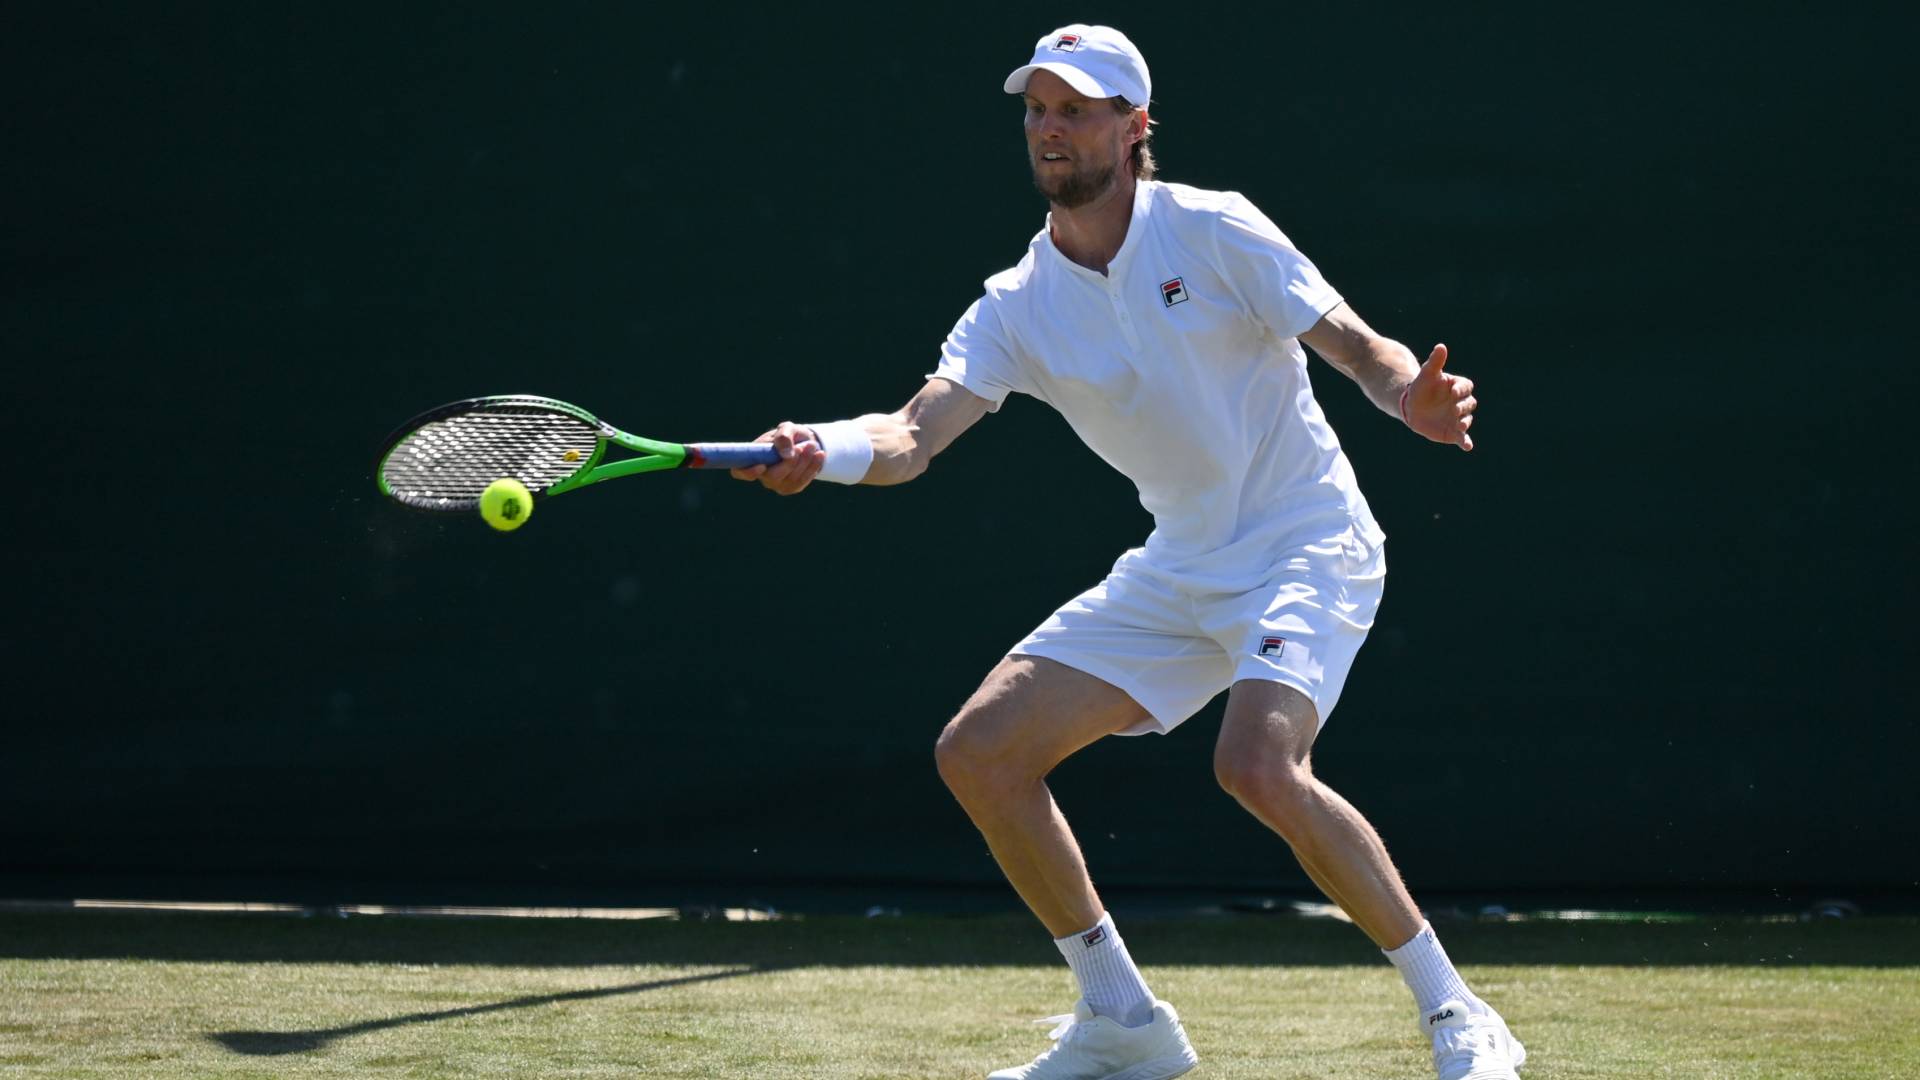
(218, 996)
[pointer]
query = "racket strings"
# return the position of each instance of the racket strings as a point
(446, 464)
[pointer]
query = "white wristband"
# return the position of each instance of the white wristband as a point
(849, 451)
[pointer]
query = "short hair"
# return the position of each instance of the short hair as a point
(1144, 167)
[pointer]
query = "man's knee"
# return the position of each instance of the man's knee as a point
(1275, 787)
(954, 754)
(1026, 717)
(970, 757)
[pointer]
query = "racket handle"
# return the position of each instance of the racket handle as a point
(730, 455)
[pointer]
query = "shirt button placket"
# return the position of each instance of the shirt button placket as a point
(1120, 313)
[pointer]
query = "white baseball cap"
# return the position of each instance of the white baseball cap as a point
(1098, 61)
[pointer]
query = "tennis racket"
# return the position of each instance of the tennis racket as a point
(445, 457)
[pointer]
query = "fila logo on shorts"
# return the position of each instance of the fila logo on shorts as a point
(1094, 936)
(1066, 43)
(1272, 646)
(1173, 292)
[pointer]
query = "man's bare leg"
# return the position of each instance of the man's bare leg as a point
(1263, 760)
(1029, 715)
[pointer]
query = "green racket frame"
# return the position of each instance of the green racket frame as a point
(443, 458)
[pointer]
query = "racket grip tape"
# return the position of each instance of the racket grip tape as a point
(730, 455)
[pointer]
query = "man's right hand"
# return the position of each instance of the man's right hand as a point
(800, 460)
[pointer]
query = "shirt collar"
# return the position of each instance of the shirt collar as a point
(1136, 224)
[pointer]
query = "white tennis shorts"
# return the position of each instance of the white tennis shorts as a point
(1173, 649)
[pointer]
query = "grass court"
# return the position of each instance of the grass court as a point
(919, 998)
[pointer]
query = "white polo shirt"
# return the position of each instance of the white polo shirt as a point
(1181, 367)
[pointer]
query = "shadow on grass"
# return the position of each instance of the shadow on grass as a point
(276, 1043)
(928, 941)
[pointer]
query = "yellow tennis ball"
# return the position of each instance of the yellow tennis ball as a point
(506, 504)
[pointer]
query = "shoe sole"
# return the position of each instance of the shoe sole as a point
(1164, 1069)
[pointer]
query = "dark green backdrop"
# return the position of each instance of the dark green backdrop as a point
(1652, 635)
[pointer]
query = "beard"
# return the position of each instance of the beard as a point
(1078, 188)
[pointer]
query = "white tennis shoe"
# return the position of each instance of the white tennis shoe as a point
(1472, 1043)
(1090, 1047)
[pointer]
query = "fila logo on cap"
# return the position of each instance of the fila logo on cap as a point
(1066, 43)
(1272, 646)
(1173, 292)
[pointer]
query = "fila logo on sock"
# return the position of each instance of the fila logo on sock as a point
(1094, 936)
(1173, 292)
(1444, 1014)
(1272, 646)
(1066, 43)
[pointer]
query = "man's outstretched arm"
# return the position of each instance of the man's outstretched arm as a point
(1425, 397)
(904, 441)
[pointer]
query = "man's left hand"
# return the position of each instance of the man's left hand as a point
(1438, 405)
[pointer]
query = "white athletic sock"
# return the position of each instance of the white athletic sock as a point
(1428, 972)
(1108, 980)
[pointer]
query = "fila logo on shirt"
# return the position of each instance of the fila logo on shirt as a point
(1094, 936)
(1272, 646)
(1067, 43)
(1173, 292)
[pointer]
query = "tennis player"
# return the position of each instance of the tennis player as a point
(1166, 323)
